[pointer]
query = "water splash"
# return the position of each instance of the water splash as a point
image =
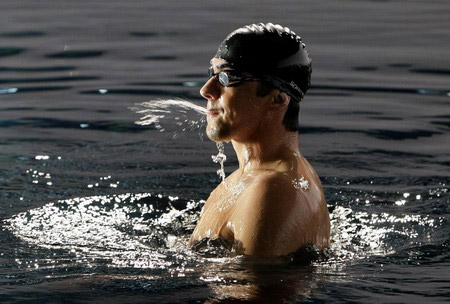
(300, 183)
(220, 158)
(128, 230)
(145, 230)
(163, 113)
(357, 235)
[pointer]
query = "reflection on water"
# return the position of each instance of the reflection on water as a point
(108, 226)
(134, 232)
(373, 124)
(139, 241)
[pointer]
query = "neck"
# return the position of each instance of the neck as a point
(268, 151)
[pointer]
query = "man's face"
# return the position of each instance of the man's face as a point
(234, 112)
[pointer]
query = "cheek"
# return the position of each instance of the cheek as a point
(237, 105)
(229, 113)
(230, 107)
(254, 108)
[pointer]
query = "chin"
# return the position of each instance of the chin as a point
(217, 133)
(213, 134)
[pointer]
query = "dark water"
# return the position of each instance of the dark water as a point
(96, 208)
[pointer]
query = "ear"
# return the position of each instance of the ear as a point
(280, 100)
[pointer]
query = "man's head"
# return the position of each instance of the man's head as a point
(272, 53)
(264, 61)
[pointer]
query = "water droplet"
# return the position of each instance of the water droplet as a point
(300, 183)
(208, 233)
(400, 202)
(8, 91)
(220, 158)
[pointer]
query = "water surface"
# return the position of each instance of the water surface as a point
(95, 207)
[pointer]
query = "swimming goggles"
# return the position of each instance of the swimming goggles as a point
(226, 78)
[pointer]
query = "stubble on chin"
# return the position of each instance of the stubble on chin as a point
(217, 132)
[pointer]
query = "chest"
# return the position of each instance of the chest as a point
(216, 218)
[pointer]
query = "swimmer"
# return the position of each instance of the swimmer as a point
(273, 204)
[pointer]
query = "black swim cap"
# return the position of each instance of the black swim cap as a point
(273, 53)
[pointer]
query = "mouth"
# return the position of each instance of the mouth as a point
(213, 112)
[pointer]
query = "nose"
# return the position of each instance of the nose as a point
(211, 90)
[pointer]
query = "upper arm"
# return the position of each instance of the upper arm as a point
(268, 218)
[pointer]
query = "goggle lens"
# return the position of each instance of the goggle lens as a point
(226, 78)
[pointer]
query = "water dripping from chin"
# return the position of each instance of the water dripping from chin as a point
(165, 114)
(220, 158)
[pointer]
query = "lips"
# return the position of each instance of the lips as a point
(213, 112)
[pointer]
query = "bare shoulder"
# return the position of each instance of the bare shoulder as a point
(277, 216)
(279, 190)
(268, 187)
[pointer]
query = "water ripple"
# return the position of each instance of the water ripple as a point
(38, 122)
(10, 51)
(365, 68)
(49, 79)
(379, 134)
(144, 34)
(400, 65)
(168, 83)
(160, 57)
(144, 230)
(439, 72)
(420, 91)
(76, 54)
(38, 69)
(120, 228)
(8, 90)
(22, 34)
(151, 92)
(152, 34)
(32, 89)
(17, 108)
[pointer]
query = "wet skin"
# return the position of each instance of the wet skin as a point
(273, 204)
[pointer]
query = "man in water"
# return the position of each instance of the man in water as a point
(273, 204)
